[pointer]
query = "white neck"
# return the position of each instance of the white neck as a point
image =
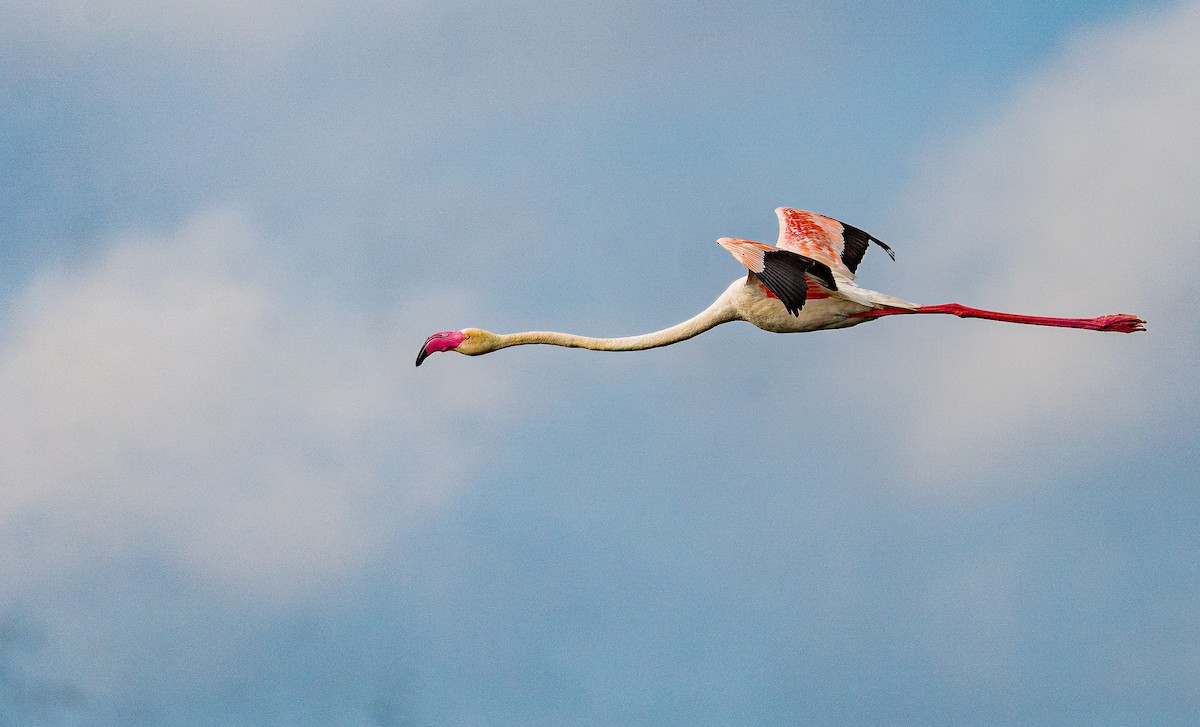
(721, 311)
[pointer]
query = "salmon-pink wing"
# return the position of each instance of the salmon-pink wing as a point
(838, 245)
(786, 275)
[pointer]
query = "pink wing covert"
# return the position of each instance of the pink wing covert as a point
(838, 245)
(812, 235)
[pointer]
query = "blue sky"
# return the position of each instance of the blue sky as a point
(227, 496)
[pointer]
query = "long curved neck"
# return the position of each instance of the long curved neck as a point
(721, 311)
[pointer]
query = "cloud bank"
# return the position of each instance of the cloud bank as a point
(66, 28)
(1077, 199)
(174, 397)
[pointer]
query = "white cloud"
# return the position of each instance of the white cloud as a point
(270, 25)
(1078, 199)
(430, 57)
(173, 399)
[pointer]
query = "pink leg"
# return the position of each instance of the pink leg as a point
(1120, 323)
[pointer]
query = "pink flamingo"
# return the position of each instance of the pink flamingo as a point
(804, 283)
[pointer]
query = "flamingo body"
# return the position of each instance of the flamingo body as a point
(805, 282)
(755, 303)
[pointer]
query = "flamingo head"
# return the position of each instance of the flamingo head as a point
(471, 341)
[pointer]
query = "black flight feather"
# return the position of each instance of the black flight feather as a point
(784, 275)
(855, 246)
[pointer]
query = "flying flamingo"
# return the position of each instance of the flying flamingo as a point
(804, 283)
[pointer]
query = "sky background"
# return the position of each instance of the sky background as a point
(227, 497)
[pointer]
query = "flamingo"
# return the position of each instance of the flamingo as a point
(804, 283)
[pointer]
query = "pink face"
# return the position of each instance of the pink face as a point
(444, 341)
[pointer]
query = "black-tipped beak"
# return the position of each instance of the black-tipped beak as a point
(442, 344)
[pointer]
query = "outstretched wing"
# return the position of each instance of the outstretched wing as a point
(838, 245)
(788, 276)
